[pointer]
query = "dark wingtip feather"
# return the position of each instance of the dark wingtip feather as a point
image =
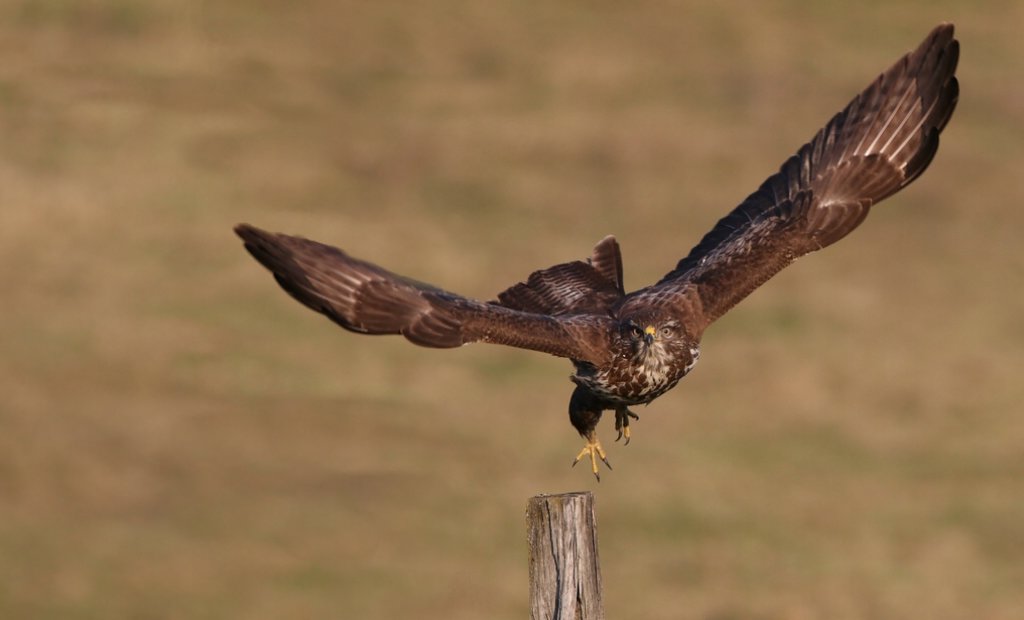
(260, 244)
(248, 231)
(952, 97)
(269, 252)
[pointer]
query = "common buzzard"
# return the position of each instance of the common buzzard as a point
(628, 349)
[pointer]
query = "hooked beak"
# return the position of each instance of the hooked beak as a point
(649, 335)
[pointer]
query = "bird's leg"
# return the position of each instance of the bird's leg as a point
(594, 450)
(622, 416)
(585, 412)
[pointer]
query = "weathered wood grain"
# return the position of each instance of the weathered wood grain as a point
(565, 574)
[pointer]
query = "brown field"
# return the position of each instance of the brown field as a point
(178, 439)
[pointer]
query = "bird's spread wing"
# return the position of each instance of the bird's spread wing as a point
(365, 298)
(579, 287)
(881, 142)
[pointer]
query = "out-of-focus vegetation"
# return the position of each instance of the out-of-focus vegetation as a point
(178, 439)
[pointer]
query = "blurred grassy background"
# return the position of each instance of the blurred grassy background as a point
(178, 439)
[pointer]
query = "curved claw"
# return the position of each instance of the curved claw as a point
(622, 417)
(594, 450)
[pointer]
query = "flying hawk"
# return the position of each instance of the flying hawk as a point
(628, 349)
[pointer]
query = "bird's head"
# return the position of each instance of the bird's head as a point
(653, 336)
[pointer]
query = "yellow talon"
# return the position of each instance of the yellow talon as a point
(594, 449)
(622, 417)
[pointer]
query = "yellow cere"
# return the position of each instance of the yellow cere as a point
(649, 330)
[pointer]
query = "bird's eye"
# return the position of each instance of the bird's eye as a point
(667, 331)
(635, 331)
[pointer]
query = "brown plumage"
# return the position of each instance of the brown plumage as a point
(628, 349)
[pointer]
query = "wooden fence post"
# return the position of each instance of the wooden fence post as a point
(565, 574)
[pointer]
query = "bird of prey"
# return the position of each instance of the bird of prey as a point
(628, 349)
